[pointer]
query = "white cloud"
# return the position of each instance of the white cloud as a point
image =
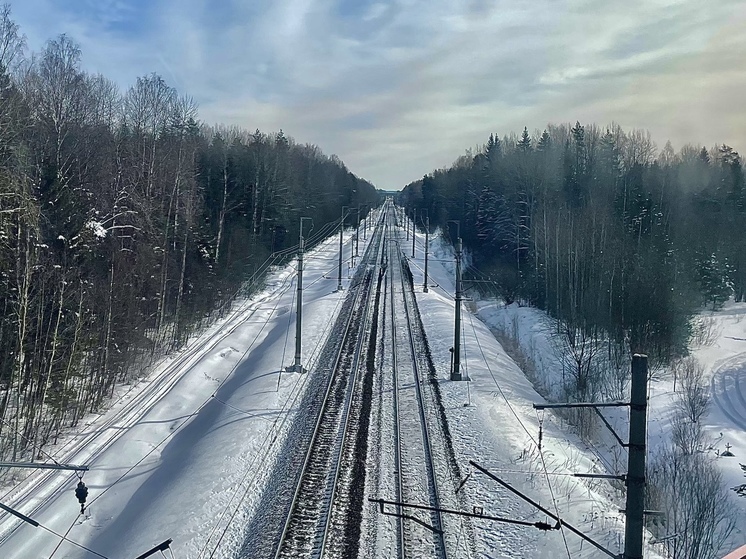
(399, 87)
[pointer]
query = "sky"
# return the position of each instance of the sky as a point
(397, 88)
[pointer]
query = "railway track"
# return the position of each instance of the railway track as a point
(315, 525)
(420, 533)
(39, 488)
(319, 509)
(314, 500)
(304, 510)
(307, 526)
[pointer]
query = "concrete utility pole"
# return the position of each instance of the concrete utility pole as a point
(633, 531)
(297, 367)
(352, 250)
(427, 249)
(635, 478)
(456, 370)
(414, 228)
(406, 222)
(341, 230)
(357, 232)
(365, 227)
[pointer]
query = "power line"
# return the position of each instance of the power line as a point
(272, 433)
(186, 419)
(160, 547)
(40, 450)
(319, 236)
(64, 537)
(291, 400)
(541, 454)
(601, 457)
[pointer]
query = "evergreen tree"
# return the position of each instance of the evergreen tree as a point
(545, 142)
(596, 230)
(524, 144)
(714, 279)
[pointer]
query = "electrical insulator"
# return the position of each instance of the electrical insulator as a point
(81, 492)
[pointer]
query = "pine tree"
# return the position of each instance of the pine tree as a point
(714, 279)
(545, 142)
(494, 148)
(704, 157)
(524, 144)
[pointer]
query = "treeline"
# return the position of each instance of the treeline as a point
(620, 244)
(125, 223)
(618, 241)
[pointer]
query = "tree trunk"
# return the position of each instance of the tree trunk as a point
(24, 283)
(221, 218)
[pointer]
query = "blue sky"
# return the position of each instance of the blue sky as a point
(397, 88)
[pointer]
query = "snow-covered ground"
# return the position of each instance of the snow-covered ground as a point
(189, 463)
(723, 356)
(495, 425)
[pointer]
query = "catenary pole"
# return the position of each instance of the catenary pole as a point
(414, 221)
(635, 478)
(297, 367)
(357, 232)
(365, 227)
(635, 508)
(427, 249)
(352, 250)
(456, 370)
(341, 231)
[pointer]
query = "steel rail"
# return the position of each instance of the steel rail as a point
(378, 239)
(427, 447)
(319, 425)
(124, 419)
(397, 434)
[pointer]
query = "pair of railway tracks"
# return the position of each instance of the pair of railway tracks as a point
(305, 510)
(319, 514)
(419, 532)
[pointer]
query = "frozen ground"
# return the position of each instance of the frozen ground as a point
(194, 455)
(190, 463)
(723, 355)
(495, 425)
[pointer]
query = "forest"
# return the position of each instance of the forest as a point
(126, 224)
(615, 239)
(622, 246)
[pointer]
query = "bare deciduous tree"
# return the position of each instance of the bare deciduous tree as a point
(693, 396)
(699, 518)
(12, 42)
